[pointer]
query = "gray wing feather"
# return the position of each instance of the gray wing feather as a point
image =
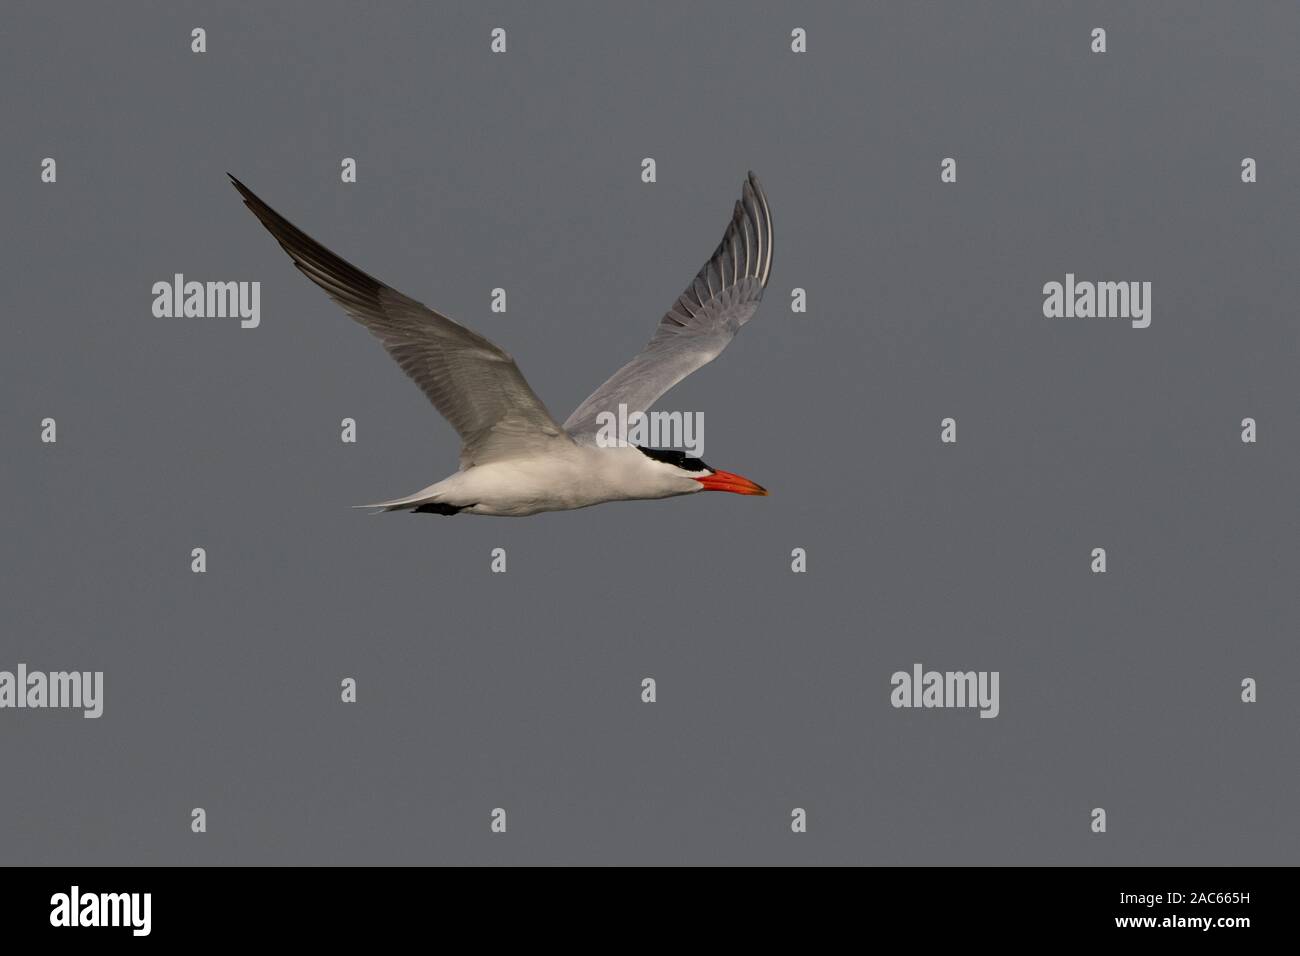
(476, 386)
(720, 299)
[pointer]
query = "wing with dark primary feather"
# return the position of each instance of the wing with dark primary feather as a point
(476, 386)
(703, 320)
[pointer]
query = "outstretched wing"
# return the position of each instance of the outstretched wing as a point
(474, 384)
(706, 317)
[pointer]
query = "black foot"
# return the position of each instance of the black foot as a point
(436, 508)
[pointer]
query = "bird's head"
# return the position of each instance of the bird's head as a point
(677, 464)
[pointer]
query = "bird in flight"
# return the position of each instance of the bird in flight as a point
(515, 458)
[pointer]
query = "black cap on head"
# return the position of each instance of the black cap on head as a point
(671, 456)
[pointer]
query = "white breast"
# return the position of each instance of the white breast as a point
(579, 477)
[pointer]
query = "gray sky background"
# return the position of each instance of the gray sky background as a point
(522, 690)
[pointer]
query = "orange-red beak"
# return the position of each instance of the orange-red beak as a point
(726, 481)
